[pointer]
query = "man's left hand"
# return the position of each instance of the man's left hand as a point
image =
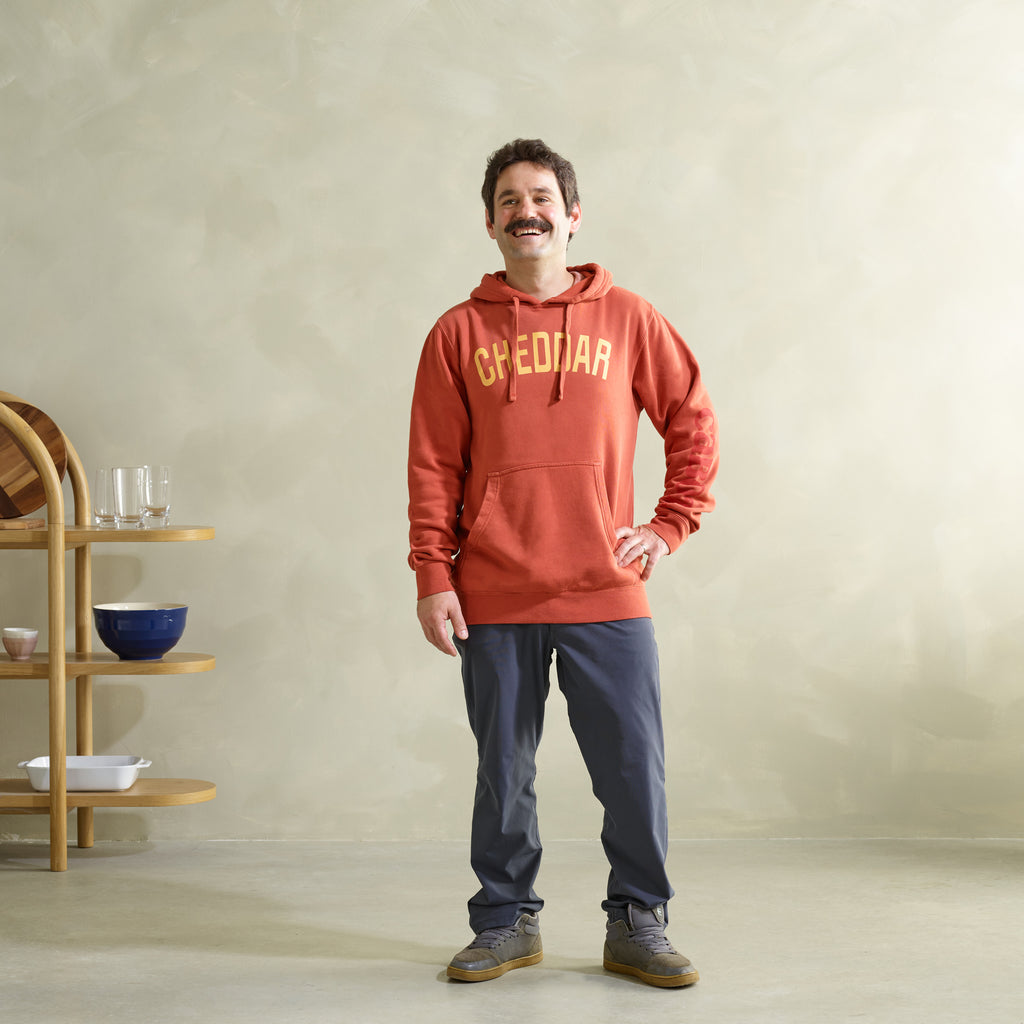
(636, 542)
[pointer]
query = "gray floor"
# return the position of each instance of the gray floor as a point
(787, 931)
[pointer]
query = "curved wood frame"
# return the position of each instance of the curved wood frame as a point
(55, 597)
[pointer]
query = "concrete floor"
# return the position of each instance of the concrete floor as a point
(781, 931)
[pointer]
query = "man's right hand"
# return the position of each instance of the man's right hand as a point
(434, 613)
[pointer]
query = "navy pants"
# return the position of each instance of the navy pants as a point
(608, 673)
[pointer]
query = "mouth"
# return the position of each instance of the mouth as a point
(527, 228)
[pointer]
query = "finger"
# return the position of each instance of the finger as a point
(657, 549)
(459, 625)
(652, 560)
(626, 536)
(629, 556)
(624, 555)
(436, 634)
(443, 642)
(631, 550)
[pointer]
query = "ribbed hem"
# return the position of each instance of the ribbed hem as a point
(596, 606)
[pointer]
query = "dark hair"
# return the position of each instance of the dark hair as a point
(531, 151)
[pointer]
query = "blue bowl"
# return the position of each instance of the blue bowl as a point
(139, 631)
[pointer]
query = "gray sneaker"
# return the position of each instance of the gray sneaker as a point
(640, 947)
(497, 950)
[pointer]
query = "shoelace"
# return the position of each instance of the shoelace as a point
(654, 940)
(492, 937)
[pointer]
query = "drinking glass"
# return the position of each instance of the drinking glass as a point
(156, 496)
(128, 489)
(103, 497)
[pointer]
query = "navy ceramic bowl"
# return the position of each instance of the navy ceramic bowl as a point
(137, 631)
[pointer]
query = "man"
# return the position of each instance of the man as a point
(524, 425)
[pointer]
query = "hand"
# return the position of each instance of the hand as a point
(637, 541)
(434, 612)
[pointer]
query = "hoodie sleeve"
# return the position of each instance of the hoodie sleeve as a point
(439, 435)
(668, 385)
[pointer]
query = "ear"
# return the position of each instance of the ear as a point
(575, 218)
(488, 222)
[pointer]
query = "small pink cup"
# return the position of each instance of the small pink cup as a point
(20, 642)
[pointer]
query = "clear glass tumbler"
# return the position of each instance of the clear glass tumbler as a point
(128, 491)
(103, 497)
(156, 498)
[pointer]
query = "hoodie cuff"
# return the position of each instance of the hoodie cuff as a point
(433, 578)
(672, 532)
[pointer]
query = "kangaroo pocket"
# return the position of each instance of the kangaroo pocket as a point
(543, 528)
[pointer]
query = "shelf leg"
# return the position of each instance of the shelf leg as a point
(86, 835)
(83, 642)
(58, 772)
(83, 742)
(58, 691)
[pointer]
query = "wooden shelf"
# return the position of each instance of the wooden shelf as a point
(76, 536)
(104, 663)
(58, 667)
(18, 795)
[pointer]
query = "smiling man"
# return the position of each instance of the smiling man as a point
(532, 223)
(522, 441)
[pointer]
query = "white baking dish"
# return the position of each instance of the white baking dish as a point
(91, 773)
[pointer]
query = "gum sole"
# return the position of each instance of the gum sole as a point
(495, 972)
(658, 980)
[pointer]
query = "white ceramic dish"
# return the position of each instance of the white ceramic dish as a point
(91, 773)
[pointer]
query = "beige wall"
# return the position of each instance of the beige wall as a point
(227, 227)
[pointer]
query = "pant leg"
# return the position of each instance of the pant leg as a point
(505, 676)
(609, 674)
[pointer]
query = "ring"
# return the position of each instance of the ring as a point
(643, 548)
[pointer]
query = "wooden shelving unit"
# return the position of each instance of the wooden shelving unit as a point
(58, 666)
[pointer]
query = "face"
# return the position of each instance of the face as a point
(530, 219)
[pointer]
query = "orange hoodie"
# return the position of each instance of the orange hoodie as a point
(523, 434)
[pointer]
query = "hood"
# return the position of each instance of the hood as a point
(592, 282)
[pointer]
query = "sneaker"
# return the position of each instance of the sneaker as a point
(640, 947)
(497, 950)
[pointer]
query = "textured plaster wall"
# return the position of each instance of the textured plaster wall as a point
(225, 228)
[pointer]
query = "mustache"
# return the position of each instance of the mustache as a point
(533, 223)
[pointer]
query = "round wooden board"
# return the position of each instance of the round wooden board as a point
(21, 487)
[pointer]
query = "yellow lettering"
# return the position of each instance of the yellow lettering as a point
(520, 352)
(541, 365)
(582, 354)
(543, 352)
(499, 359)
(487, 377)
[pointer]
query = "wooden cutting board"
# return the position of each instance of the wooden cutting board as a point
(21, 487)
(22, 524)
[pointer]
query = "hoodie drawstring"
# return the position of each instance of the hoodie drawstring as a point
(513, 376)
(561, 361)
